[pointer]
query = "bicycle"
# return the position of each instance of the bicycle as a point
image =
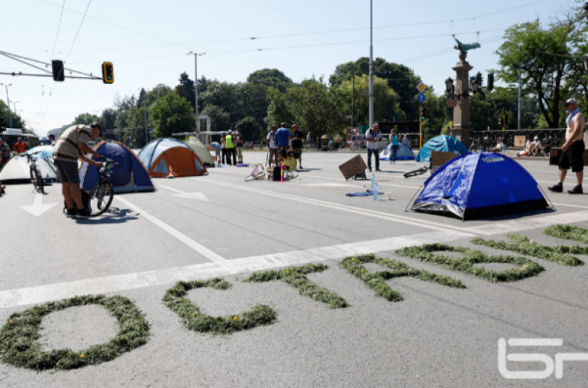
(259, 172)
(100, 196)
(36, 176)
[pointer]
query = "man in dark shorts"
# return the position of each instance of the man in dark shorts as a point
(70, 146)
(572, 151)
(298, 143)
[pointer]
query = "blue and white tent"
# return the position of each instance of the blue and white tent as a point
(403, 153)
(441, 143)
(131, 176)
(480, 185)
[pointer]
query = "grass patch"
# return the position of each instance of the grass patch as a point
(296, 277)
(19, 345)
(377, 280)
(568, 232)
(467, 264)
(194, 319)
(521, 244)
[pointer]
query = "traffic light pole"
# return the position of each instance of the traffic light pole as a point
(421, 126)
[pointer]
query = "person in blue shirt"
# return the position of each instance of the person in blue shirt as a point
(394, 143)
(283, 136)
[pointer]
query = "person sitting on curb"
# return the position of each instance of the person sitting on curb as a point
(535, 146)
(500, 146)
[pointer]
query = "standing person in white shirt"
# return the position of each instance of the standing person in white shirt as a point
(272, 145)
(372, 138)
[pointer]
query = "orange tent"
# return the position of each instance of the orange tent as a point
(170, 157)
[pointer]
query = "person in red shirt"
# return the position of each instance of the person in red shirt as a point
(20, 146)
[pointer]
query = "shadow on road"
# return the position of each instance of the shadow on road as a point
(114, 215)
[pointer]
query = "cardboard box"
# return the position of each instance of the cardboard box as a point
(352, 167)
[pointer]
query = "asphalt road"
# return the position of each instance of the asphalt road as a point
(219, 225)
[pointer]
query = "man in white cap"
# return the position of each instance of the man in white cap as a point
(572, 151)
(535, 146)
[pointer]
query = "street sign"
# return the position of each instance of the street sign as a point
(421, 87)
(421, 98)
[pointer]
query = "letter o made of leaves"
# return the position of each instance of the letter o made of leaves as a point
(19, 345)
(175, 298)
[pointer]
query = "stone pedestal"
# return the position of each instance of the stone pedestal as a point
(462, 127)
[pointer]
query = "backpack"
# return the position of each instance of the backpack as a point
(277, 174)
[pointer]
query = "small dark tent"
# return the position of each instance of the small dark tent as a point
(403, 153)
(480, 185)
(442, 143)
(131, 176)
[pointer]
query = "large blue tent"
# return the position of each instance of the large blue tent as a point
(403, 153)
(441, 143)
(480, 185)
(130, 176)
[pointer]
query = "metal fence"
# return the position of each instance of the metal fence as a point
(554, 137)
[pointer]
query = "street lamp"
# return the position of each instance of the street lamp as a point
(449, 85)
(8, 103)
(586, 61)
(475, 86)
(196, 90)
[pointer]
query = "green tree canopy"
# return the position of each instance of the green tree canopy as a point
(172, 113)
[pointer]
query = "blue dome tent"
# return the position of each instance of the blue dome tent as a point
(441, 143)
(403, 153)
(131, 176)
(480, 185)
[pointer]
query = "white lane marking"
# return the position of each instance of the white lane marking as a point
(183, 194)
(177, 234)
(381, 184)
(38, 208)
(324, 184)
(569, 205)
(116, 283)
(349, 209)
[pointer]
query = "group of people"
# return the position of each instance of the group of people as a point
(230, 147)
(532, 147)
(283, 144)
(373, 137)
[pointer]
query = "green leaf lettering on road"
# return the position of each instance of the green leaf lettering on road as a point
(377, 280)
(467, 264)
(19, 344)
(296, 277)
(521, 244)
(194, 319)
(568, 232)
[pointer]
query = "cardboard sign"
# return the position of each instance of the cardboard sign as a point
(520, 141)
(352, 167)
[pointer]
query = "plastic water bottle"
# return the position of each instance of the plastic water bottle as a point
(373, 181)
(376, 189)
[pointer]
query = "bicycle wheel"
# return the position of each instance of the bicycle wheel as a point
(100, 198)
(34, 179)
(40, 182)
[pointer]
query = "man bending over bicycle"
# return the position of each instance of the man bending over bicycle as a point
(70, 146)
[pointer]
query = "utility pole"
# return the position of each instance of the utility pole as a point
(8, 103)
(519, 110)
(146, 127)
(196, 91)
(371, 107)
(353, 98)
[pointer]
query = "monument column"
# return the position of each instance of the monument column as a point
(462, 128)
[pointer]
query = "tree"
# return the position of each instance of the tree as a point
(172, 113)
(280, 107)
(546, 57)
(186, 89)
(270, 77)
(386, 106)
(85, 118)
(226, 96)
(436, 114)
(249, 128)
(400, 78)
(219, 119)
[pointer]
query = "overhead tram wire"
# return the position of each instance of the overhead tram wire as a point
(185, 45)
(78, 31)
(58, 28)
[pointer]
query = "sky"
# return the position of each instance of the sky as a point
(148, 42)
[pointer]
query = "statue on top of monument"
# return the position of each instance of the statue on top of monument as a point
(464, 47)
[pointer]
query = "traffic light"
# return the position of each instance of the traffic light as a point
(107, 73)
(58, 71)
(423, 113)
(490, 82)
